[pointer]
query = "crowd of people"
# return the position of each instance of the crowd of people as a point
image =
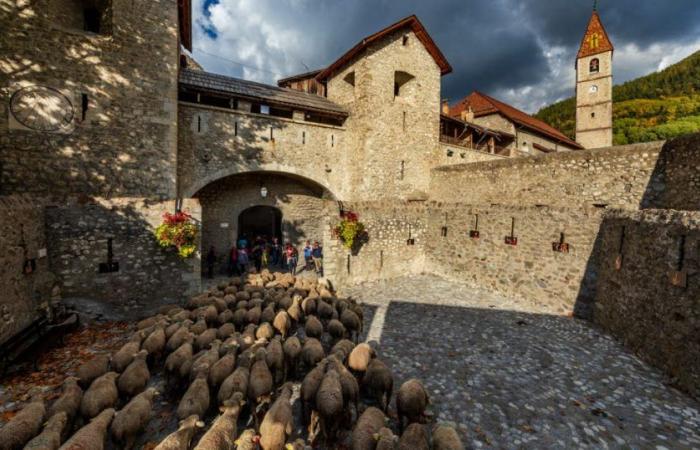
(263, 253)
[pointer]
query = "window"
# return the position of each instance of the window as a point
(91, 20)
(592, 115)
(594, 66)
(92, 16)
(401, 80)
(350, 79)
(404, 41)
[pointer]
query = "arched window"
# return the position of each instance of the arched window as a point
(594, 66)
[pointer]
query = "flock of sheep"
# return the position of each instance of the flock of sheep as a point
(237, 349)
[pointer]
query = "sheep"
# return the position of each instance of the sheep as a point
(268, 314)
(93, 369)
(69, 401)
(133, 418)
(149, 322)
(125, 354)
(414, 438)
(155, 343)
(308, 305)
(336, 329)
(370, 422)
(309, 388)
(351, 390)
(313, 327)
(196, 398)
(359, 357)
(292, 349)
(51, 436)
(101, 394)
(446, 438)
(278, 422)
(199, 327)
(247, 440)
(253, 315)
(411, 401)
(181, 439)
(329, 402)
(203, 340)
(379, 382)
(206, 359)
(260, 383)
(225, 331)
(274, 358)
(281, 323)
(239, 316)
(23, 426)
(176, 360)
(324, 310)
(264, 331)
(294, 311)
(386, 440)
(342, 348)
(91, 436)
(135, 377)
(179, 337)
(210, 314)
(352, 323)
(312, 352)
(181, 316)
(221, 435)
(236, 382)
(171, 329)
(223, 367)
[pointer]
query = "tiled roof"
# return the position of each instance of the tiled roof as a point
(411, 22)
(596, 39)
(301, 76)
(482, 105)
(258, 91)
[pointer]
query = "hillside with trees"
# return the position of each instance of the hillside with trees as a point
(658, 106)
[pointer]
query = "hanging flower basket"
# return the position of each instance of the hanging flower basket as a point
(178, 230)
(351, 231)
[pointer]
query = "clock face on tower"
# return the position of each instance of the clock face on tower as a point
(41, 108)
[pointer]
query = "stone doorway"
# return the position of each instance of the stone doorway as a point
(260, 220)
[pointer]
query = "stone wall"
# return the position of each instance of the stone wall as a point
(78, 236)
(25, 295)
(637, 303)
(454, 154)
(122, 84)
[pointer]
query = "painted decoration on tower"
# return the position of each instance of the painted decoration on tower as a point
(42, 108)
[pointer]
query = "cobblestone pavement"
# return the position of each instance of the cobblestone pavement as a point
(508, 377)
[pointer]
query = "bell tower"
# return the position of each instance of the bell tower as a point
(594, 82)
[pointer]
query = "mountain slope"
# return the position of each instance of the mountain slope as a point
(661, 105)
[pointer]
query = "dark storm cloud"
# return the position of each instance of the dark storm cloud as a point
(522, 49)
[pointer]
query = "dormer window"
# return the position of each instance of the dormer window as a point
(594, 66)
(401, 79)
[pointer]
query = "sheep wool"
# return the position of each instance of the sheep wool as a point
(182, 438)
(23, 426)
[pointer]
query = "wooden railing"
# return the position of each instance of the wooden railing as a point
(498, 150)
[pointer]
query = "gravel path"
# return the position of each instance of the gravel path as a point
(508, 377)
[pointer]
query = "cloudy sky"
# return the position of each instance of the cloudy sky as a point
(520, 51)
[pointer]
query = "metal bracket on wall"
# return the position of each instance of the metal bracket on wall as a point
(512, 239)
(410, 240)
(562, 246)
(110, 266)
(474, 234)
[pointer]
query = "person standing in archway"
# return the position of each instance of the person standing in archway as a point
(292, 257)
(276, 252)
(233, 261)
(317, 255)
(307, 255)
(242, 260)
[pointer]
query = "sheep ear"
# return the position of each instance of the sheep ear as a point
(222, 409)
(199, 424)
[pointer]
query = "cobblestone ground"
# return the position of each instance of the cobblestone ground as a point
(508, 377)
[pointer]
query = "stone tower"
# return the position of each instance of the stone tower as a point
(594, 108)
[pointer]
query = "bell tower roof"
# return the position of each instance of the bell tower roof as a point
(596, 39)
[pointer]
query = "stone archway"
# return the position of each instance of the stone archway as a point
(260, 220)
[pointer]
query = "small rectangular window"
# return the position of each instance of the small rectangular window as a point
(396, 89)
(303, 137)
(405, 39)
(264, 109)
(91, 18)
(235, 128)
(84, 103)
(199, 124)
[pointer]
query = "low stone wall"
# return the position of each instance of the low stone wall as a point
(26, 293)
(642, 175)
(638, 303)
(78, 237)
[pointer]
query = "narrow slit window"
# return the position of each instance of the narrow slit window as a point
(332, 140)
(303, 137)
(404, 41)
(403, 170)
(272, 134)
(91, 18)
(235, 128)
(404, 121)
(85, 104)
(199, 124)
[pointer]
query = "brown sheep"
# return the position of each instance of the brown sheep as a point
(204, 339)
(370, 422)
(125, 354)
(268, 314)
(91, 436)
(210, 314)
(264, 331)
(292, 350)
(342, 348)
(324, 310)
(176, 360)
(253, 315)
(281, 323)
(359, 357)
(312, 352)
(171, 329)
(351, 390)
(224, 317)
(329, 403)
(222, 434)
(133, 418)
(352, 323)
(379, 382)
(411, 401)
(222, 368)
(336, 329)
(182, 316)
(155, 343)
(309, 388)
(386, 440)
(239, 317)
(181, 439)
(199, 327)
(308, 305)
(247, 440)
(179, 338)
(196, 398)
(149, 322)
(313, 327)
(414, 438)
(260, 383)
(69, 401)
(23, 426)
(278, 422)
(236, 382)
(101, 394)
(225, 331)
(446, 438)
(135, 377)
(294, 311)
(206, 358)
(51, 436)
(274, 357)
(93, 369)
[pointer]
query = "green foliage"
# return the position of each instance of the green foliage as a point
(659, 106)
(351, 231)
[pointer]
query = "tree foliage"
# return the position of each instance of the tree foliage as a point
(658, 106)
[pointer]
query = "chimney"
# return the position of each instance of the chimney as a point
(468, 114)
(445, 107)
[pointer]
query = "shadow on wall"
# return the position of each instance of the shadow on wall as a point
(641, 282)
